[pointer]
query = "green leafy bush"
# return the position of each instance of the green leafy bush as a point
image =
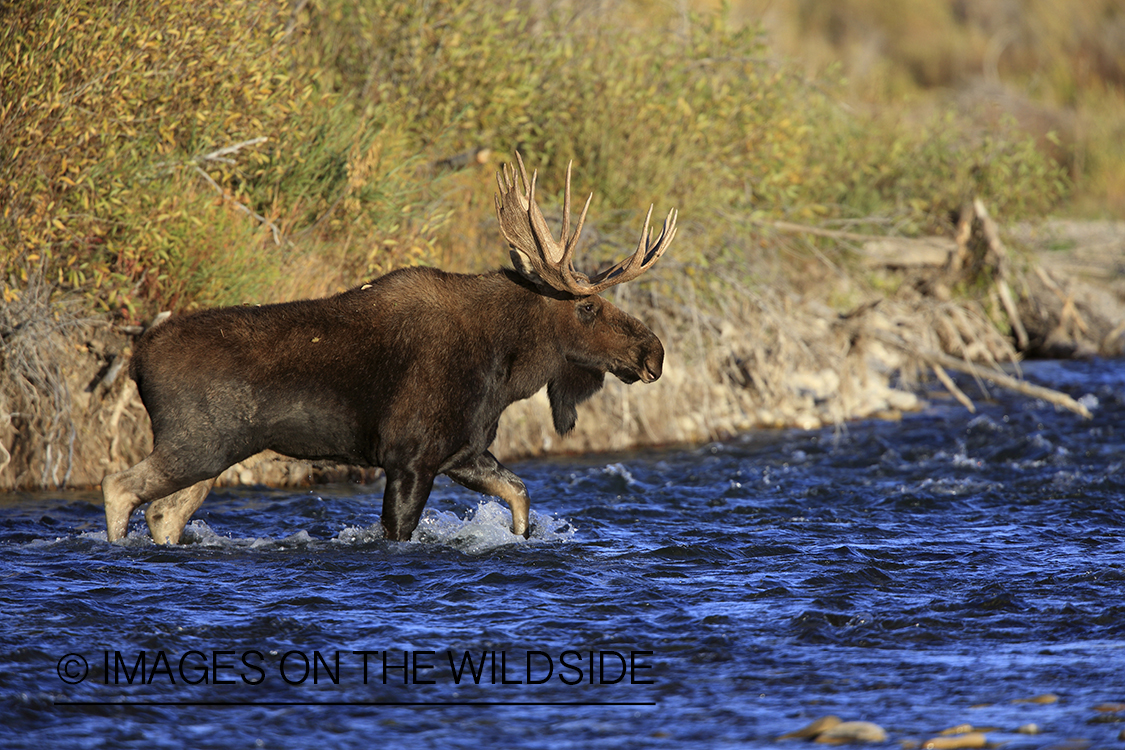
(147, 142)
(178, 154)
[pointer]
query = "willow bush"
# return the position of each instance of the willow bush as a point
(147, 144)
(176, 154)
(1053, 64)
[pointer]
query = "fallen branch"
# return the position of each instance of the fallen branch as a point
(950, 386)
(221, 154)
(992, 234)
(933, 252)
(909, 252)
(882, 250)
(792, 228)
(1001, 379)
(477, 155)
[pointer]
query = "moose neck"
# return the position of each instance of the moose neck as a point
(526, 333)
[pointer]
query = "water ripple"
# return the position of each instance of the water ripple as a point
(920, 574)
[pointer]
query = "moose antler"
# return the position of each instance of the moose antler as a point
(542, 259)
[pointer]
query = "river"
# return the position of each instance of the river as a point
(947, 569)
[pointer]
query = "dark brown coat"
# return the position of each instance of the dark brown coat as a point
(410, 373)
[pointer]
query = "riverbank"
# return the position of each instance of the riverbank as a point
(767, 356)
(788, 360)
(278, 151)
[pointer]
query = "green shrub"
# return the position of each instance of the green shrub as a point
(700, 117)
(178, 154)
(142, 138)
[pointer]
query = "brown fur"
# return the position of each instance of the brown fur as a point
(410, 373)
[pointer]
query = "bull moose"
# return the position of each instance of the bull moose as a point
(409, 372)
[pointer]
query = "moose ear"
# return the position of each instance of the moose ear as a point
(567, 390)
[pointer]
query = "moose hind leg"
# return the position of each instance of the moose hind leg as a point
(127, 490)
(159, 475)
(486, 475)
(167, 516)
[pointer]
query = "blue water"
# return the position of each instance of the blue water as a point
(920, 574)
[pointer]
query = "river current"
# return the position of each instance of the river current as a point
(948, 569)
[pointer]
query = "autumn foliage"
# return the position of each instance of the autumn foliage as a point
(175, 154)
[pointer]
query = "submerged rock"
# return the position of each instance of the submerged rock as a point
(952, 742)
(853, 731)
(959, 729)
(1042, 700)
(1109, 708)
(832, 731)
(809, 731)
(1072, 744)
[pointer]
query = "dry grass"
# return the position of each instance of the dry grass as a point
(36, 406)
(1054, 66)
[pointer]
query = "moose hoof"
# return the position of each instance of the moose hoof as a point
(119, 506)
(164, 530)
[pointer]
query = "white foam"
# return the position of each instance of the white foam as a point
(138, 536)
(356, 535)
(482, 529)
(487, 528)
(1090, 401)
(619, 470)
(198, 532)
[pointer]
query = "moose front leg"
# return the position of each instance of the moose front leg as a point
(486, 475)
(403, 501)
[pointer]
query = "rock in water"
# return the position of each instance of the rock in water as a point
(853, 731)
(812, 730)
(959, 729)
(957, 741)
(1041, 700)
(1109, 708)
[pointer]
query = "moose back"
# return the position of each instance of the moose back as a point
(409, 373)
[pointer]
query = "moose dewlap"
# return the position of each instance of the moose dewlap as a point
(409, 373)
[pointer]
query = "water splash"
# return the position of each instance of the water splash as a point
(487, 528)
